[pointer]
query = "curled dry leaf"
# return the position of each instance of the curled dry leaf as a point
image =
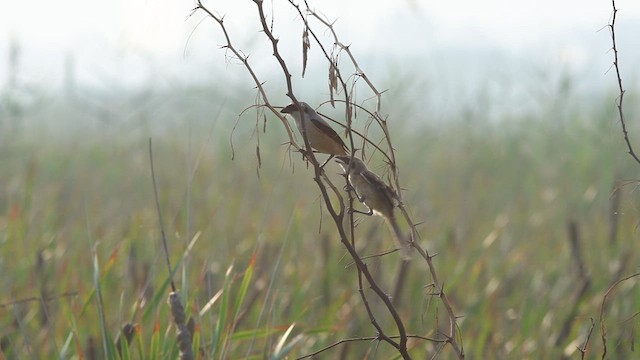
(333, 79)
(305, 48)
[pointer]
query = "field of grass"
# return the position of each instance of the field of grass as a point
(80, 249)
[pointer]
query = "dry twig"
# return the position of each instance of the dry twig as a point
(327, 189)
(616, 66)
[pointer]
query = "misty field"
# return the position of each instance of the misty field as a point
(532, 217)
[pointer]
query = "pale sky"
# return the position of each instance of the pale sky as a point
(112, 38)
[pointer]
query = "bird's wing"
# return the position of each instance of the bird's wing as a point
(327, 130)
(375, 181)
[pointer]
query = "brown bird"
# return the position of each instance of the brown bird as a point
(320, 135)
(374, 194)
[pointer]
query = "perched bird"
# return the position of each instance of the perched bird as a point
(374, 194)
(320, 135)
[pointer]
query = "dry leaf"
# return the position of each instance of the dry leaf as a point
(305, 48)
(264, 123)
(333, 80)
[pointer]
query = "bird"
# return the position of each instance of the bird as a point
(375, 194)
(321, 136)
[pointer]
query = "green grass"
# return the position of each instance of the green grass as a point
(494, 197)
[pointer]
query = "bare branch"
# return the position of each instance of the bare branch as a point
(346, 89)
(583, 349)
(365, 338)
(616, 66)
(601, 318)
(244, 60)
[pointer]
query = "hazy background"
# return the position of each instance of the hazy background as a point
(456, 48)
(503, 118)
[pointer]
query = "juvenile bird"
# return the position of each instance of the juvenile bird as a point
(374, 194)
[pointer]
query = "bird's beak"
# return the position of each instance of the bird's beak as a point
(288, 109)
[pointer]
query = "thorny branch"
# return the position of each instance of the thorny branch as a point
(320, 178)
(583, 348)
(245, 63)
(324, 182)
(390, 155)
(630, 151)
(616, 66)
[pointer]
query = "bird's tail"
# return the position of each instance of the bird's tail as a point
(405, 248)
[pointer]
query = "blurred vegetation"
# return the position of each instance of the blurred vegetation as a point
(496, 191)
